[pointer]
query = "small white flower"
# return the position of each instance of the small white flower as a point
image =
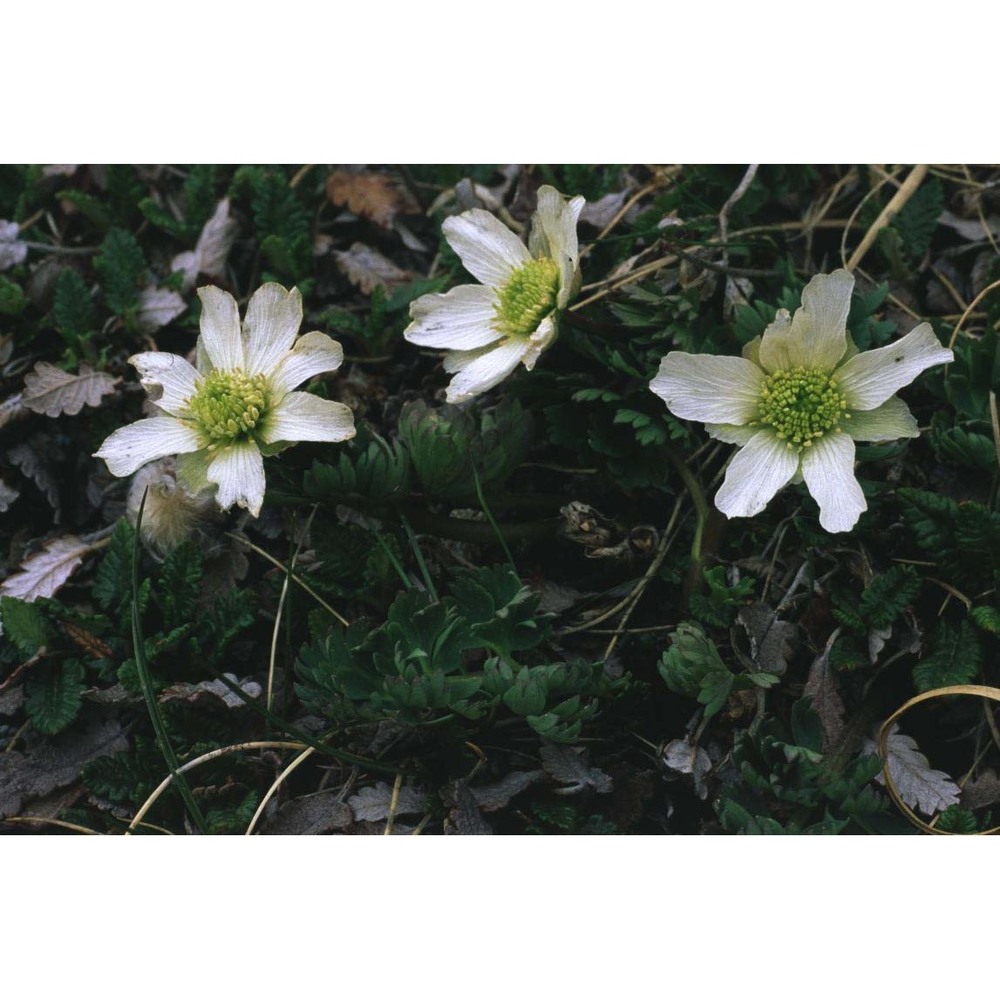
(488, 329)
(237, 404)
(798, 399)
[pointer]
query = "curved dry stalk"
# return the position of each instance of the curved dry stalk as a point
(972, 305)
(275, 785)
(906, 191)
(851, 221)
(978, 691)
(203, 759)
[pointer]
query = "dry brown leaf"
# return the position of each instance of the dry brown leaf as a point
(157, 307)
(52, 391)
(372, 196)
(42, 574)
(368, 269)
(821, 686)
(213, 691)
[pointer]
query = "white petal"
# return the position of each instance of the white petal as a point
(300, 416)
(481, 370)
(221, 336)
(313, 353)
(553, 235)
(751, 351)
(888, 422)
(238, 469)
(539, 341)
(821, 324)
(828, 469)
(731, 433)
(759, 469)
(487, 248)
(169, 372)
(716, 390)
(869, 379)
(461, 319)
(147, 440)
(273, 318)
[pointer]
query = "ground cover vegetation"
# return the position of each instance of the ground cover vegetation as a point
(499, 499)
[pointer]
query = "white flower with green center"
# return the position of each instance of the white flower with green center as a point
(798, 399)
(509, 319)
(237, 405)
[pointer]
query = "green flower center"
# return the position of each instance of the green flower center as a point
(228, 404)
(801, 404)
(527, 297)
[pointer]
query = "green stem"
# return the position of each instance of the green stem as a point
(146, 680)
(424, 572)
(491, 519)
(701, 513)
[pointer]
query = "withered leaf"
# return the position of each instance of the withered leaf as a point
(7, 496)
(368, 269)
(373, 803)
(821, 686)
(467, 819)
(311, 815)
(373, 196)
(54, 764)
(770, 637)
(52, 391)
(918, 784)
(215, 690)
(12, 250)
(42, 574)
(490, 798)
(681, 756)
(32, 458)
(157, 307)
(212, 250)
(11, 409)
(569, 768)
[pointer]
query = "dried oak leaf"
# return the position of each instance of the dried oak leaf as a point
(366, 268)
(52, 391)
(212, 250)
(42, 574)
(918, 784)
(212, 691)
(54, 764)
(372, 196)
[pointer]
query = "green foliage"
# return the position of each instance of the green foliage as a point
(955, 658)
(722, 602)
(785, 784)
(113, 583)
(179, 586)
(369, 473)
(279, 218)
(963, 447)
(52, 695)
(955, 819)
(73, 309)
(24, 624)
(987, 618)
(693, 668)
(420, 665)
(974, 374)
(918, 218)
(884, 599)
(120, 266)
(12, 300)
(225, 618)
(448, 443)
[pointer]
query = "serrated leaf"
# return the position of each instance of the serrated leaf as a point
(987, 618)
(42, 574)
(53, 695)
(52, 391)
(918, 784)
(770, 637)
(569, 767)
(366, 268)
(120, 266)
(24, 624)
(72, 307)
(371, 195)
(955, 658)
(33, 463)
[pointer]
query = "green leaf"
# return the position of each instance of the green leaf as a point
(72, 307)
(120, 266)
(955, 658)
(690, 660)
(12, 299)
(179, 586)
(53, 695)
(112, 583)
(24, 624)
(987, 618)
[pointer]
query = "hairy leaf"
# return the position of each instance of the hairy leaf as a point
(918, 784)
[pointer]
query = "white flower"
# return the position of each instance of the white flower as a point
(171, 514)
(798, 399)
(237, 403)
(511, 317)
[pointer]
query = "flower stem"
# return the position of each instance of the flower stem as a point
(695, 578)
